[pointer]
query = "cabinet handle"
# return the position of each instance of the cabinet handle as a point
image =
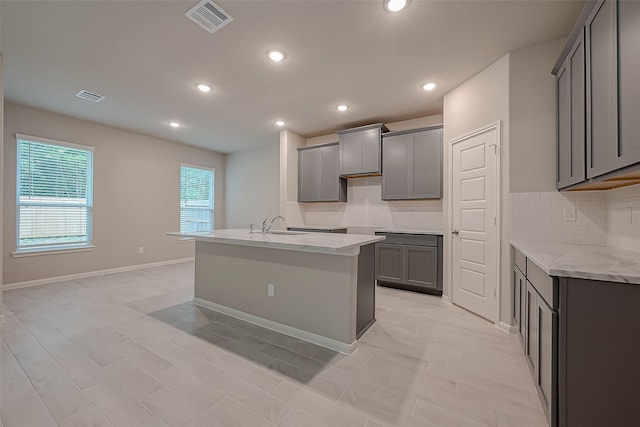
(456, 232)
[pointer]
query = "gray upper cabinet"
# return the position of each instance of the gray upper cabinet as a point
(601, 89)
(570, 86)
(628, 148)
(318, 178)
(412, 162)
(360, 150)
(606, 38)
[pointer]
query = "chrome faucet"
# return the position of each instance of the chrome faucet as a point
(266, 229)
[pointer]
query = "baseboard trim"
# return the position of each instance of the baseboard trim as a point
(446, 299)
(506, 327)
(329, 343)
(48, 280)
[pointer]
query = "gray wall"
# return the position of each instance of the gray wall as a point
(532, 114)
(252, 185)
(136, 195)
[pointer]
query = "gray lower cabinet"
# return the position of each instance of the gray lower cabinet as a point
(410, 261)
(412, 162)
(536, 323)
(581, 342)
(318, 176)
(599, 373)
(519, 296)
(390, 262)
(360, 153)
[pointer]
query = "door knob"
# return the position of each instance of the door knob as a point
(456, 232)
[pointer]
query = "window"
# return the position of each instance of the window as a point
(196, 199)
(54, 194)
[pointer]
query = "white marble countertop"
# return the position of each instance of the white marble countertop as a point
(318, 227)
(409, 231)
(584, 262)
(339, 244)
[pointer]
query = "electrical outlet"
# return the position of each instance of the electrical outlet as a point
(570, 214)
(271, 290)
(629, 214)
(140, 250)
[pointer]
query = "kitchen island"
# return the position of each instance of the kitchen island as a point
(314, 286)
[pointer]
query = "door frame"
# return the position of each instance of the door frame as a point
(497, 125)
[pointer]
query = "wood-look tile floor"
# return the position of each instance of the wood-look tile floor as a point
(131, 349)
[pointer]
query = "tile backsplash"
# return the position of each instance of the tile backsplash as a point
(366, 209)
(623, 213)
(578, 218)
(609, 218)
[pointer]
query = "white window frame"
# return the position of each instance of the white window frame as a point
(213, 196)
(54, 247)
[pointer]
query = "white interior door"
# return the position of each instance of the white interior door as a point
(474, 169)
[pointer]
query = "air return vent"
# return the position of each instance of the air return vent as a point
(209, 16)
(90, 96)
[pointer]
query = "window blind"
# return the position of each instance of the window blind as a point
(196, 199)
(54, 194)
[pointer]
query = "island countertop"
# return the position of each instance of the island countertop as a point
(338, 244)
(583, 261)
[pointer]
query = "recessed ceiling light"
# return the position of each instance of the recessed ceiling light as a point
(394, 5)
(429, 86)
(280, 123)
(342, 107)
(203, 87)
(276, 55)
(174, 124)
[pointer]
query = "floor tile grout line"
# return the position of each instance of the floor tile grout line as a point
(35, 389)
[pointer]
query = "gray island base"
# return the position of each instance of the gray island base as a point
(318, 288)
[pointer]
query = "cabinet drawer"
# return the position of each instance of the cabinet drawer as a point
(543, 284)
(410, 239)
(520, 260)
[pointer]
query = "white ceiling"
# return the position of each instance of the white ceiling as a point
(146, 57)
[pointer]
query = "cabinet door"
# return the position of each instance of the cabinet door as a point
(426, 165)
(309, 163)
(531, 328)
(389, 262)
(421, 266)
(329, 173)
(515, 314)
(370, 151)
(571, 117)
(395, 158)
(628, 147)
(523, 309)
(601, 89)
(547, 323)
(350, 153)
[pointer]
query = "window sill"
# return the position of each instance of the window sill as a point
(186, 239)
(51, 251)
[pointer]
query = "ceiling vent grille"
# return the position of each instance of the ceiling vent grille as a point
(209, 16)
(90, 96)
